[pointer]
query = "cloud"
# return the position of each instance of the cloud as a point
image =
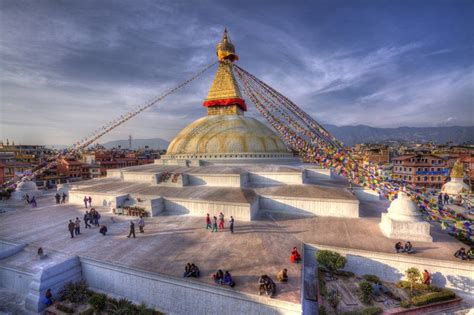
(69, 67)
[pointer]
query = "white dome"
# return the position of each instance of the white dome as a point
(455, 186)
(404, 209)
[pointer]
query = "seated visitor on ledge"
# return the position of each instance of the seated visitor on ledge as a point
(295, 257)
(218, 277)
(266, 285)
(187, 270)
(408, 248)
(228, 279)
(470, 253)
(461, 253)
(282, 275)
(399, 247)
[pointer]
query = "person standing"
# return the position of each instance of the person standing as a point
(85, 201)
(64, 198)
(58, 198)
(86, 220)
(141, 224)
(446, 199)
(71, 227)
(214, 227)
(221, 221)
(27, 199)
(77, 226)
(90, 201)
(208, 222)
(426, 277)
(132, 230)
(231, 226)
(33, 202)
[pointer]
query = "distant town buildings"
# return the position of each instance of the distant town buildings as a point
(93, 163)
(424, 170)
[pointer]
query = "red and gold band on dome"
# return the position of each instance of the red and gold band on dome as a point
(227, 102)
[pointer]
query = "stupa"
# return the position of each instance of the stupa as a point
(226, 135)
(456, 184)
(23, 188)
(403, 221)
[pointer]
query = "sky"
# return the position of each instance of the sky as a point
(68, 67)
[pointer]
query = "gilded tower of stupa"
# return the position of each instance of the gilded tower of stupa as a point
(226, 133)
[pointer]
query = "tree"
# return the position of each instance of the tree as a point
(332, 261)
(413, 276)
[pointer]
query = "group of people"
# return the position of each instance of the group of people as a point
(30, 201)
(141, 226)
(462, 254)
(223, 278)
(214, 226)
(266, 285)
(74, 227)
(408, 248)
(443, 199)
(60, 198)
(87, 201)
(191, 270)
(92, 216)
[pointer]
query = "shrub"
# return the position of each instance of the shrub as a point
(433, 297)
(413, 276)
(64, 309)
(98, 302)
(322, 310)
(405, 303)
(372, 278)
(120, 307)
(334, 298)
(365, 292)
(332, 261)
(75, 292)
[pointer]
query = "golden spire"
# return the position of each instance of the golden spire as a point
(458, 170)
(225, 50)
(224, 97)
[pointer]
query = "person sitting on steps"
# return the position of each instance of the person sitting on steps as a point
(295, 257)
(218, 277)
(408, 248)
(399, 247)
(228, 279)
(282, 275)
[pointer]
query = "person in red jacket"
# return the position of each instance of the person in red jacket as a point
(295, 257)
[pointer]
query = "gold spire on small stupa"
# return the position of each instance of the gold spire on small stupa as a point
(224, 97)
(458, 169)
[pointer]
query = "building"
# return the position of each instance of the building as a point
(423, 170)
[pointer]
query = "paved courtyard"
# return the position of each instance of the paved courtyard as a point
(172, 240)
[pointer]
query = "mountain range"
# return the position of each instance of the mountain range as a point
(351, 135)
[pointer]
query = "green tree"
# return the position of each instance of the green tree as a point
(332, 261)
(413, 276)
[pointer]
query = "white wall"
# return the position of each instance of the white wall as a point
(240, 211)
(458, 276)
(218, 180)
(272, 178)
(319, 207)
(175, 295)
(98, 200)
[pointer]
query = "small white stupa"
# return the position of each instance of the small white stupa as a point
(23, 188)
(456, 184)
(403, 221)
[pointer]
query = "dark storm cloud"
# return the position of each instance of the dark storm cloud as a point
(69, 66)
